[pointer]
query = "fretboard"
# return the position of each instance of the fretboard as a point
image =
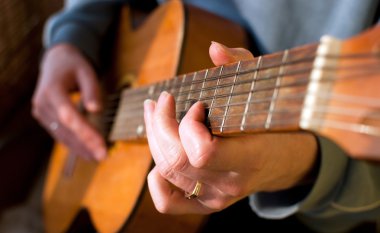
(263, 94)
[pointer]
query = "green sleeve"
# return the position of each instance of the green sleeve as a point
(346, 192)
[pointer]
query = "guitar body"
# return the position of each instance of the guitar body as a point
(113, 192)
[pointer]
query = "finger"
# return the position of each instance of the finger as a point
(165, 131)
(170, 200)
(177, 171)
(220, 54)
(69, 117)
(63, 134)
(90, 90)
(192, 131)
(166, 166)
(206, 151)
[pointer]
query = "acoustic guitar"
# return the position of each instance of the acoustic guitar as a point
(173, 39)
(330, 88)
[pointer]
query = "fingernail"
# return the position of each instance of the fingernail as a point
(148, 104)
(164, 94)
(218, 44)
(224, 49)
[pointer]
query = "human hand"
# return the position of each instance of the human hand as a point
(228, 169)
(63, 71)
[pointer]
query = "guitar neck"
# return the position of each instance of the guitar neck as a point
(263, 94)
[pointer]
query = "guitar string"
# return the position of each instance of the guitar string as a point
(285, 74)
(135, 106)
(347, 111)
(263, 68)
(292, 123)
(341, 111)
(288, 75)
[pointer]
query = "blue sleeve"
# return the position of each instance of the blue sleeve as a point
(82, 24)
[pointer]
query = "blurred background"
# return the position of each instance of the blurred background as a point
(24, 145)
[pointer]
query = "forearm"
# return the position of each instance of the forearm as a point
(82, 24)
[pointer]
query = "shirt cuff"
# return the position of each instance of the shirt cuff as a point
(278, 205)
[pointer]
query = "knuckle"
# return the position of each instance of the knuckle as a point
(162, 206)
(235, 191)
(233, 186)
(167, 172)
(200, 157)
(218, 205)
(171, 172)
(178, 161)
(64, 115)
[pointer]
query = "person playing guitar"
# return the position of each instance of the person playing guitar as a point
(322, 175)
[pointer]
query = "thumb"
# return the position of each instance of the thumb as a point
(220, 54)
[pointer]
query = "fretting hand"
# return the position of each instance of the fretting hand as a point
(227, 169)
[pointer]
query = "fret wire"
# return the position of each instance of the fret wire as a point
(294, 84)
(260, 125)
(306, 71)
(245, 82)
(151, 91)
(355, 127)
(181, 88)
(348, 112)
(250, 93)
(162, 85)
(257, 112)
(215, 90)
(173, 88)
(320, 109)
(166, 84)
(342, 111)
(298, 83)
(305, 59)
(203, 85)
(230, 96)
(275, 91)
(213, 78)
(188, 103)
(347, 56)
(220, 76)
(297, 96)
(336, 110)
